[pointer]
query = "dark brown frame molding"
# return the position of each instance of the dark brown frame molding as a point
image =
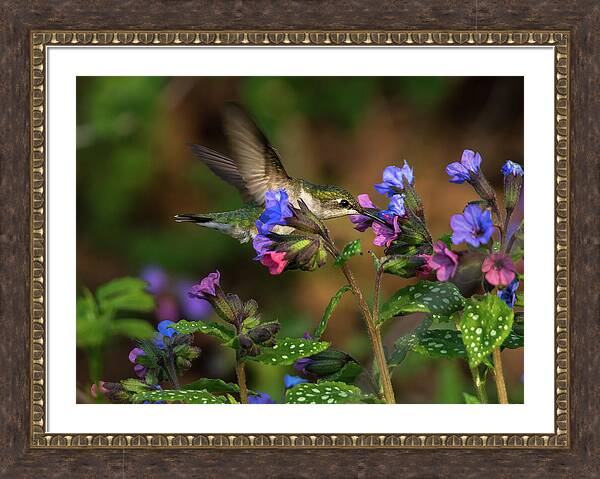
(27, 451)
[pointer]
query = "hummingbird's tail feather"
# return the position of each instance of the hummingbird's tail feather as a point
(186, 218)
(222, 166)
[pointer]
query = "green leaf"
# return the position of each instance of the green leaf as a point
(125, 294)
(441, 343)
(470, 399)
(132, 328)
(91, 332)
(485, 323)
(351, 249)
(180, 395)
(223, 333)
(405, 343)
(520, 302)
(119, 287)
(439, 298)
(320, 329)
(325, 392)
(516, 337)
(347, 374)
(212, 385)
(134, 385)
(288, 350)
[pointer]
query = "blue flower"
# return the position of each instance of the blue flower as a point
(277, 210)
(291, 381)
(474, 226)
(509, 294)
(395, 207)
(512, 168)
(260, 398)
(164, 331)
(469, 164)
(393, 179)
(261, 245)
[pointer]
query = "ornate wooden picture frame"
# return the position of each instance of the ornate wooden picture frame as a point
(42, 39)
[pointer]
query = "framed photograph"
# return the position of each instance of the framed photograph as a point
(289, 239)
(298, 158)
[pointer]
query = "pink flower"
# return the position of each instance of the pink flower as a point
(384, 234)
(499, 269)
(207, 286)
(443, 261)
(275, 261)
(424, 270)
(94, 391)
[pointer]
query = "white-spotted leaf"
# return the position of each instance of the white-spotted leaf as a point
(441, 343)
(287, 351)
(351, 249)
(438, 298)
(485, 323)
(325, 392)
(180, 396)
(219, 331)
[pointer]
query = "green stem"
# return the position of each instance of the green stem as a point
(172, 372)
(499, 377)
(241, 377)
(479, 384)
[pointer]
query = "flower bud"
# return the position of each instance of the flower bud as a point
(264, 333)
(513, 182)
(324, 363)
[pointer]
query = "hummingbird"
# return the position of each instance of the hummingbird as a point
(254, 169)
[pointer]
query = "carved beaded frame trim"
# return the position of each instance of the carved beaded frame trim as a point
(39, 40)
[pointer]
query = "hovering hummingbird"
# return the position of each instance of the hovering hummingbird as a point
(256, 168)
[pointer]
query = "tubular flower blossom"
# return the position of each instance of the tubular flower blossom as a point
(361, 222)
(275, 261)
(512, 168)
(260, 398)
(469, 164)
(499, 269)
(277, 210)
(291, 381)
(509, 294)
(474, 226)
(395, 207)
(443, 261)
(393, 179)
(164, 331)
(207, 286)
(140, 370)
(385, 235)
(94, 390)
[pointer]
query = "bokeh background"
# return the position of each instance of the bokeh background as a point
(135, 172)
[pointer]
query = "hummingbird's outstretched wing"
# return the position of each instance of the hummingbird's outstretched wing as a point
(225, 168)
(257, 161)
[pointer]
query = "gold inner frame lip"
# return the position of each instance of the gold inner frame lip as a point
(40, 39)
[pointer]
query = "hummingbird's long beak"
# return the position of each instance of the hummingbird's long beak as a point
(372, 213)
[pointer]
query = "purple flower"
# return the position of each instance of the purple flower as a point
(291, 381)
(509, 294)
(261, 245)
(277, 210)
(499, 269)
(139, 369)
(443, 261)
(384, 234)
(469, 164)
(156, 278)
(474, 226)
(260, 398)
(512, 168)
(207, 286)
(395, 207)
(361, 222)
(301, 364)
(393, 179)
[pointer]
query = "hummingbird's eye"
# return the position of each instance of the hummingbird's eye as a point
(344, 203)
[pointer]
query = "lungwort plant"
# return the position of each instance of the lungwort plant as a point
(474, 324)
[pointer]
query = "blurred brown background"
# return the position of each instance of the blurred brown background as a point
(134, 172)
